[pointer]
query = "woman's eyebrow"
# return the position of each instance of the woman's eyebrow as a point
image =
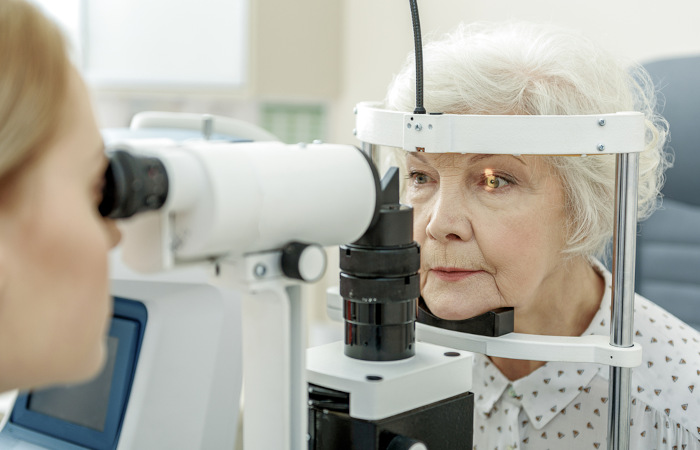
(418, 156)
(475, 158)
(482, 156)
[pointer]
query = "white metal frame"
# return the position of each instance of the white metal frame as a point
(591, 348)
(622, 134)
(274, 334)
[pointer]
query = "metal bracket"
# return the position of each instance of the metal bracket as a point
(592, 348)
(576, 135)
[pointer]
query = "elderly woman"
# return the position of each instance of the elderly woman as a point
(54, 299)
(525, 232)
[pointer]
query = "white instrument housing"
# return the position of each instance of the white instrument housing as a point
(622, 132)
(230, 199)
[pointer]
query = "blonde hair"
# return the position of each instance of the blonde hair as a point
(523, 68)
(33, 84)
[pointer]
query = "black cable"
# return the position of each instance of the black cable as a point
(419, 58)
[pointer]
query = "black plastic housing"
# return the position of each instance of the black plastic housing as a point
(133, 184)
(379, 282)
(492, 323)
(443, 425)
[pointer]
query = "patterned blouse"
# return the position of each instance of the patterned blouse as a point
(565, 405)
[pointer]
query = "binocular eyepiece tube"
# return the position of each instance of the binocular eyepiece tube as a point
(133, 184)
(218, 198)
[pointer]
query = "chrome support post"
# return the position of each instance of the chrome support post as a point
(369, 150)
(622, 322)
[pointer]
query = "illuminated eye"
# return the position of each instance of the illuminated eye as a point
(420, 178)
(495, 182)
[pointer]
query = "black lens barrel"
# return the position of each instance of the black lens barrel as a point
(133, 184)
(379, 283)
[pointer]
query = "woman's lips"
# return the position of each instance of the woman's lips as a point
(452, 274)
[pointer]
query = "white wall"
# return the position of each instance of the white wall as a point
(378, 35)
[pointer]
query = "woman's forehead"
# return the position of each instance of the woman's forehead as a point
(453, 159)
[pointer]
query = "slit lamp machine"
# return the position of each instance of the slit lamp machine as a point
(240, 226)
(254, 217)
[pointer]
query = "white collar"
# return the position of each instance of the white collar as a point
(555, 383)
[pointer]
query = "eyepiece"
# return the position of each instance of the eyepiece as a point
(132, 184)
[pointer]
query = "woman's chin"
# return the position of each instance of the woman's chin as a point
(457, 301)
(86, 367)
(455, 310)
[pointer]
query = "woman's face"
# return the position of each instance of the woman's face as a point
(491, 230)
(54, 297)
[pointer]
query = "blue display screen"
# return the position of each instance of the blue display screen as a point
(85, 404)
(90, 414)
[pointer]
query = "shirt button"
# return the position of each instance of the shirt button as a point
(511, 392)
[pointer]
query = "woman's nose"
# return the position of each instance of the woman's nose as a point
(449, 220)
(113, 233)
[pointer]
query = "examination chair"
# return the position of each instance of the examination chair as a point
(668, 246)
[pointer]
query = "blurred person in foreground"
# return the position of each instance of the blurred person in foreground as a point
(54, 297)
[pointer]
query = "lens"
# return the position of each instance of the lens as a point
(379, 283)
(133, 184)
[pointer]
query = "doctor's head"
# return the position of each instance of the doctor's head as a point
(54, 304)
(506, 230)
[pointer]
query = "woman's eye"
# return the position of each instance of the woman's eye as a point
(495, 182)
(419, 178)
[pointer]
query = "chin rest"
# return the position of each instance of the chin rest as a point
(493, 323)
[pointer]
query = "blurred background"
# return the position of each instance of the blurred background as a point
(297, 67)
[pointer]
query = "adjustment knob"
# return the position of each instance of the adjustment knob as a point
(305, 262)
(405, 443)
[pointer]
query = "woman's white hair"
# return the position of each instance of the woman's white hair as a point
(523, 68)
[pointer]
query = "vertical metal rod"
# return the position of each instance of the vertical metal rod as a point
(622, 323)
(298, 386)
(369, 150)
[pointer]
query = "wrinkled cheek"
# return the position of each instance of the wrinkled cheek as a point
(420, 220)
(419, 237)
(423, 276)
(419, 233)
